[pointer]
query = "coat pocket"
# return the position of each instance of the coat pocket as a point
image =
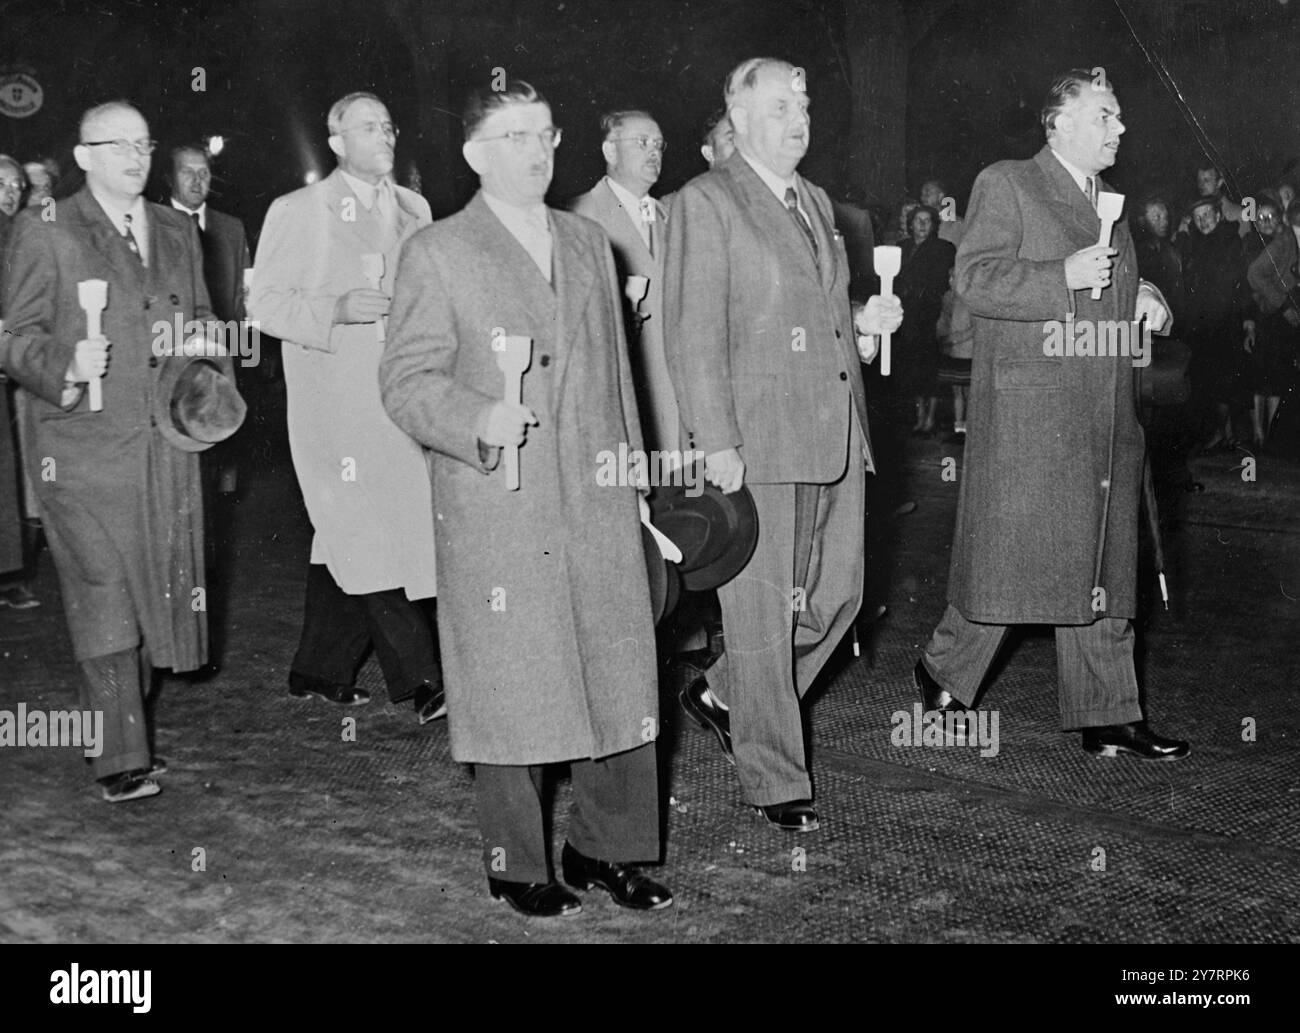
(1027, 375)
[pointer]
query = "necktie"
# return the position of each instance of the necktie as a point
(792, 204)
(1091, 191)
(647, 223)
(197, 224)
(129, 237)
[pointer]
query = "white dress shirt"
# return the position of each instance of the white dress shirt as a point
(634, 206)
(201, 211)
(778, 186)
(530, 226)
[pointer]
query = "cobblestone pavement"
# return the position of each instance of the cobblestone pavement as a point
(306, 837)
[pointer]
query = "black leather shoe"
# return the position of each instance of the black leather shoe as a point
(1134, 738)
(536, 899)
(302, 687)
(430, 703)
(792, 816)
(628, 885)
(129, 785)
(935, 697)
(695, 701)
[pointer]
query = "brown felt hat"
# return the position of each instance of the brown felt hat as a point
(196, 405)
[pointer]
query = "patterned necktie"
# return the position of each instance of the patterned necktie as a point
(792, 204)
(647, 223)
(1091, 191)
(129, 237)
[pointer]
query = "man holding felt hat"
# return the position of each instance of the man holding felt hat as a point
(760, 341)
(545, 613)
(119, 488)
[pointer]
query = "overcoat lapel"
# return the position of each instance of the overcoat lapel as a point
(775, 223)
(573, 272)
(106, 240)
(1067, 193)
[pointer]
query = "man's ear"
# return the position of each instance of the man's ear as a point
(475, 158)
(336, 144)
(609, 151)
(81, 154)
(707, 150)
(739, 120)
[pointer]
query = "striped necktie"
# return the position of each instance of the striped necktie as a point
(131, 242)
(792, 204)
(1091, 191)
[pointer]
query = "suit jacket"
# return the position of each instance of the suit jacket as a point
(759, 336)
(225, 257)
(1048, 504)
(656, 399)
(363, 479)
(122, 508)
(544, 619)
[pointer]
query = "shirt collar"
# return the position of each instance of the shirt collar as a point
(1080, 178)
(201, 211)
(136, 211)
(531, 217)
(366, 192)
(631, 203)
(775, 183)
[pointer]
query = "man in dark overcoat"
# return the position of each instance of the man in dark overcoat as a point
(122, 507)
(544, 614)
(1047, 518)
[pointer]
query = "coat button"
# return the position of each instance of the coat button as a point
(844, 376)
(545, 360)
(147, 303)
(175, 299)
(153, 361)
(837, 335)
(153, 421)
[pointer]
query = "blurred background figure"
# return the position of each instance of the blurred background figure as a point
(42, 178)
(719, 138)
(934, 193)
(1270, 372)
(956, 336)
(921, 284)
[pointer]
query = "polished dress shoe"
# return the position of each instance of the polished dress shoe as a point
(628, 885)
(695, 700)
(128, 785)
(536, 899)
(430, 703)
(302, 687)
(1134, 738)
(935, 697)
(792, 816)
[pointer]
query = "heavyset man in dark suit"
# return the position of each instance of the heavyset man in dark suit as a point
(121, 504)
(760, 343)
(1047, 519)
(545, 615)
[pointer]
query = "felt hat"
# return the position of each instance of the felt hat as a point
(195, 404)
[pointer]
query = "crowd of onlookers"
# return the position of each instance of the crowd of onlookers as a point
(1228, 270)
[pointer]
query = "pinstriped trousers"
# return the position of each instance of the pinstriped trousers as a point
(1094, 663)
(783, 615)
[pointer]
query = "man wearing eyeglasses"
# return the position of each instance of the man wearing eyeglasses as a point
(325, 266)
(760, 343)
(120, 500)
(621, 204)
(546, 620)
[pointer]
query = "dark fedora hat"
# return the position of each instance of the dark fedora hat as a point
(196, 405)
(665, 581)
(717, 533)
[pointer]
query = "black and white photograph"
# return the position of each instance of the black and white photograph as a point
(650, 472)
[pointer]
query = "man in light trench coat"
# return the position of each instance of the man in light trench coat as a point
(1047, 518)
(363, 480)
(545, 614)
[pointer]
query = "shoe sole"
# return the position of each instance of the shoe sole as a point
(531, 914)
(722, 737)
(1116, 751)
(789, 828)
(596, 885)
(308, 694)
(440, 712)
(150, 789)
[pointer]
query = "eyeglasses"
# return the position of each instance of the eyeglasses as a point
(374, 129)
(550, 138)
(645, 143)
(124, 146)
